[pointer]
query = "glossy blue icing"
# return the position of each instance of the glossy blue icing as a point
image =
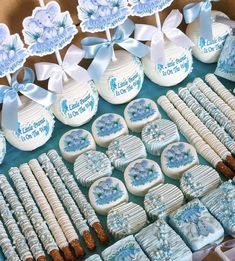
(140, 110)
(177, 156)
(142, 173)
(108, 125)
(106, 192)
(76, 140)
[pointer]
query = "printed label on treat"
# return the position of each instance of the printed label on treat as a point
(212, 46)
(125, 85)
(178, 65)
(72, 108)
(34, 129)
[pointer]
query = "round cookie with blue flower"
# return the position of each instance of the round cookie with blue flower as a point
(141, 175)
(75, 142)
(108, 127)
(106, 193)
(139, 112)
(177, 158)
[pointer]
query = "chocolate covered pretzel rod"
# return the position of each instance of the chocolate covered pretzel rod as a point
(214, 98)
(221, 90)
(67, 200)
(34, 215)
(22, 219)
(78, 196)
(46, 211)
(57, 207)
(194, 138)
(14, 231)
(201, 129)
(6, 245)
(205, 117)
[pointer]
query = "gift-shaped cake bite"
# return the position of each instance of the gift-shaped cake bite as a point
(161, 243)
(126, 219)
(221, 203)
(125, 249)
(178, 157)
(198, 181)
(163, 199)
(158, 134)
(196, 225)
(106, 193)
(90, 166)
(139, 112)
(94, 258)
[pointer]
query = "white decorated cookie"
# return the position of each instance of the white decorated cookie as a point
(106, 193)
(90, 166)
(77, 104)
(126, 219)
(196, 225)
(2, 147)
(160, 242)
(178, 65)
(124, 150)
(122, 80)
(198, 181)
(75, 142)
(108, 127)
(204, 50)
(141, 175)
(94, 258)
(177, 158)
(35, 126)
(162, 200)
(158, 134)
(139, 112)
(125, 249)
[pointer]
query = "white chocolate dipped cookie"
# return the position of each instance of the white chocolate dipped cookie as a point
(108, 127)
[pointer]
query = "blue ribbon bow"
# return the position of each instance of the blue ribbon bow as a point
(11, 101)
(102, 49)
(202, 10)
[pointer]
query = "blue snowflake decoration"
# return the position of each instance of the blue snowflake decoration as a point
(48, 29)
(140, 110)
(142, 173)
(108, 125)
(177, 156)
(99, 15)
(106, 192)
(12, 52)
(148, 7)
(76, 140)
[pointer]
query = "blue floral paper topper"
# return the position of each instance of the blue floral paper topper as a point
(12, 52)
(99, 15)
(148, 7)
(48, 29)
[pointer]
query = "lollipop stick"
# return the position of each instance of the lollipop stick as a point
(8, 76)
(41, 2)
(109, 37)
(158, 20)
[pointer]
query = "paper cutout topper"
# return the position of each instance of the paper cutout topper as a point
(48, 29)
(12, 52)
(148, 7)
(100, 15)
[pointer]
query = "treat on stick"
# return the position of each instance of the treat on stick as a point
(46, 211)
(78, 196)
(34, 215)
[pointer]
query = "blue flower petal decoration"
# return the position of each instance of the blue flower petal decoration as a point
(99, 15)
(48, 29)
(148, 7)
(12, 52)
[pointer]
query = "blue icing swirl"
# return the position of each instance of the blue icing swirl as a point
(76, 140)
(142, 173)
(106, 192)
(140, 110)
(177, 156)
(108, 125)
